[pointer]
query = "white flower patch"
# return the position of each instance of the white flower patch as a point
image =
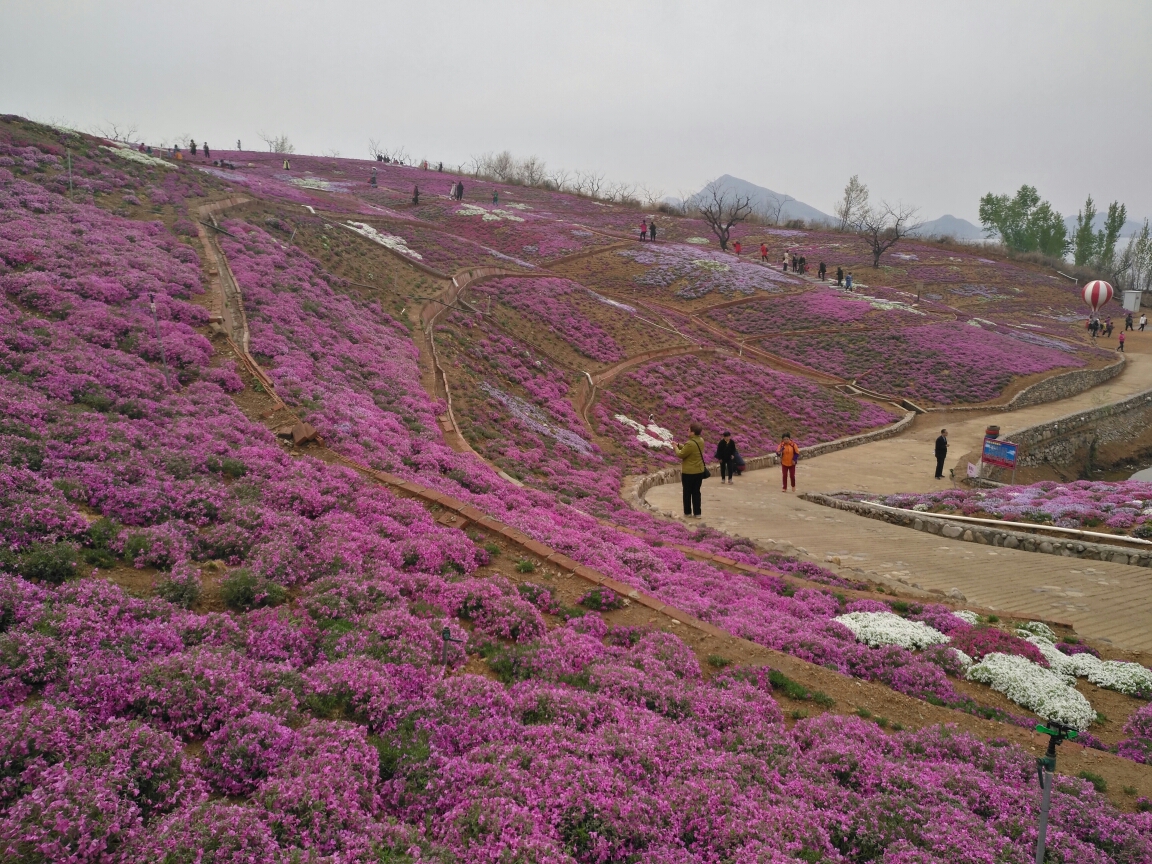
(887, 628)
(1058, 662)
(1033, 687)
(126, 152)
(518, 206)
(699, 241)
(631, 310)
(494, 215)
(313, 183)
(389, 240)
(1131, 679)
(1040, 629)
(651, 436)
(964, 659)
(715, 266)
(967, 616)
(888, 305)
(922, 508)
(504, 214)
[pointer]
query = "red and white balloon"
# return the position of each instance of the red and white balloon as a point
(1097, 293)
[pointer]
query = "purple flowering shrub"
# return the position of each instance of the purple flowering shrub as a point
(241, 753)
(755, 403)
(1109, 506)
(821, 308)
(937, 363)
(1138, 745)
(978, 641)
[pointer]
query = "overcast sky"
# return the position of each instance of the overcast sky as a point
(934, 103)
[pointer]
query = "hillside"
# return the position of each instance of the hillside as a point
(313, 546)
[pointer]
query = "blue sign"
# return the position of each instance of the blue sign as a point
(1000, 453)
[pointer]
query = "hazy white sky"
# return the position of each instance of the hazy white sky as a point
(934, 103)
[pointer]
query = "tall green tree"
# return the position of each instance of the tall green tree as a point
(1084, 242)
(1106, 239)
(1024, 222)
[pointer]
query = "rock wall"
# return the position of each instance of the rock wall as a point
(990, 535)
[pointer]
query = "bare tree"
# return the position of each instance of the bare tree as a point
(375, 150)
(884, 226)
(774, 207)
(855, 201)
(502, 166)
(532, 171)
(559, 179)
(113, 131)
(650, 198)
(331, 154)
(277, 143)
(589, 183)
(722, 209)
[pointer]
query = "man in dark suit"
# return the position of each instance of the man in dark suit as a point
(941, 453)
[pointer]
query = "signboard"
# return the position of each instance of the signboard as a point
(973, 470)
(999, 453)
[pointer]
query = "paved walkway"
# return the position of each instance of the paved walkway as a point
(1112, 602)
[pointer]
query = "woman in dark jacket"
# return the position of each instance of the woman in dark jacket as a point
(726, 453)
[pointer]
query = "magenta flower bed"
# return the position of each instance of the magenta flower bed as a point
(938, 363)
(755, 403)
(821, 308)
(1119, 506)
(549, 301)
(691, 272)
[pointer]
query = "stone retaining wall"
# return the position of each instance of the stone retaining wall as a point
(636, 488)
(990, 535)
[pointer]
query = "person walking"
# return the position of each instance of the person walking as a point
(207, 154)
(726, 453)
(1108, 328)
(764, 252)
(415, 194)
(192, 146)
(823, 271)
(736, 247)
(287, 165)
(795, 264)
(848, 281)
(1128, 322)
(643, 230)
(1143, 321)
(839, 277)
(692, 469)
(785, 262)
(495, 197)
(459, 190)
(789, 455)
(803, 264)
(372, 179)
(941, 453)
(652, 231)
(238, 147)
(1120, 347)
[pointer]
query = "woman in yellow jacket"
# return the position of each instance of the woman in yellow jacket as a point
(692, 471)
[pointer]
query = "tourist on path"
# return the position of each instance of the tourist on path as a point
(839, 277)
(495, 197)
(372, 179)
(795, 264)
(803, 264)
(415, 194)
(1108, 328)
(764, 252)
(726, 453)
(692, 469)
(823, 271)
(941, 453)
(643, 230)
(460, 190)
(848, 281)
(287, 165)
(192, 146)
(652, 231)
(789, 455)
(736, 246)
(1120, 347)
(1143, 321)
(785, 262)
(207, 154)
(1128, 322)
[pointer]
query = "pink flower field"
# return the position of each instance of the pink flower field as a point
(218, 647)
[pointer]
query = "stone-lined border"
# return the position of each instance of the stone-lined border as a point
(636, 488)
(1062, 386)
(987, 535)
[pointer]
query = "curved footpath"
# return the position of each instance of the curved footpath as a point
(1106, 601)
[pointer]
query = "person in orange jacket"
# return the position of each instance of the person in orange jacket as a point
(764, 252)
(789, 455)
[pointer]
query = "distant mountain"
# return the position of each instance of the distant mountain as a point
(951, 226)
(762, 197)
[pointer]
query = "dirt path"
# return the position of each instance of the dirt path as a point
(1110, 602)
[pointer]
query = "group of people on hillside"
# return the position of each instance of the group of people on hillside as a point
(648, 230)
(1097, 328)
(694, 471)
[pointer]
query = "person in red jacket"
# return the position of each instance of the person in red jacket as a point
(764, 252)
(736, 246)
(789, 455)
(643, 230)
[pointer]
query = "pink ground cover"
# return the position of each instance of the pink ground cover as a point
(690, 272)
(1122, 506)
(755, 403)
(820, 308)
(942, 364)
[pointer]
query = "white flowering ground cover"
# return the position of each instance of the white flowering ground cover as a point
(876, 629)
(1131, 679)
(494, 215)
(392, 241)
(652, 435)
(967, 616)
(1040, 690)
(126, 152)
(699, 241)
